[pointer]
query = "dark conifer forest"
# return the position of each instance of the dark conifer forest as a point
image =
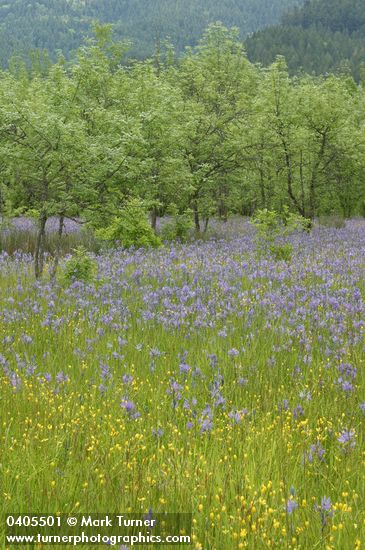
(320, 37)
(61, 24)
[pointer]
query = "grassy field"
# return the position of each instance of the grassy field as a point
(195, 378)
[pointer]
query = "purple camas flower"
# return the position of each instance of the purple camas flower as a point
(127, 379)
(207, 411)
(128, 405)
(213, 359)
(218, 399)
(298, 411)
(174, 390)
(291, 505)
(61, 377)
(237, 416)
(326, 504)
(206, 425)
(316, 450)
(348, 370)
(305, 395)
(103, 389)
(15, 381)
(184, 368)
(174, 387)
(130, 409)
(149, 516)
(284, 405)
(197, 373)
(346, 385)
(157, 432)
(206, 420)
(347, 438)
(105, 371)
(325, 510)
(30, 370)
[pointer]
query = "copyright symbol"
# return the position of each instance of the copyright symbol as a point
(72, 522)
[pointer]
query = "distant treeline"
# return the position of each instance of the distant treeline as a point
(208, 132)
(319, 37)
(54, 25)
(315, 37)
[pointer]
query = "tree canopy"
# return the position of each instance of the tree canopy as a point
(208, 133)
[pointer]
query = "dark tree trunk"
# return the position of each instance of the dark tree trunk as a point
(154, 218)
(196, 216)
(58, 246)
(262, 178)
(206, 223)
(39, 250)
(222, 210)
(302, 183)
(262, 189)
(290, 180)
(312, 200)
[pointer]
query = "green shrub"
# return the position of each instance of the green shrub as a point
(130, 228)
(179, 228)
(282, 251)
(80, 267)
(272, 227)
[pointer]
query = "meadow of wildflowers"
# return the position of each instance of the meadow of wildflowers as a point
(194, 378)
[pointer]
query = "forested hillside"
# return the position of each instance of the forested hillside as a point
(319, 37)
(61, 24)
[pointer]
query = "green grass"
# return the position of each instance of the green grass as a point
(78, 451)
